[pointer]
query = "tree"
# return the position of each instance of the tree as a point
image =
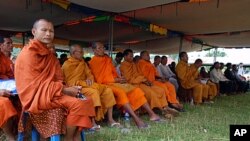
(216, 53)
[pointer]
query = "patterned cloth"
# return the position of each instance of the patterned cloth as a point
(48, 123)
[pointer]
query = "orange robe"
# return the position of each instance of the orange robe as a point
(185, 77)
(195, 77)
(209, 90)
(149, 71)
(75, 74)
(6, 67)
(155, 95)
(39, 84)
(7, 109)
(104, 73)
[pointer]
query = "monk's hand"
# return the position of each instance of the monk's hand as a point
(123, 80)
(89, 82)
(120, 80)
(5, 93)
(71, 91)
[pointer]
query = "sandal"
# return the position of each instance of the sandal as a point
(171, 111)
(95, 128)
(116, 125)
(145, 126)
(158, 120)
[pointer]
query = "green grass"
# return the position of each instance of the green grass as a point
(200, 123)
(208, 122)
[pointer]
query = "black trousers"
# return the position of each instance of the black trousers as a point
(227, 86)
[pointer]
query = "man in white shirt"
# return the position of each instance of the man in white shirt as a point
(224, 85)
(166, 72)
(117, 62)
(241, 69)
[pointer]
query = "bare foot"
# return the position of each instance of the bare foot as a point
(111, 121)
(77, 137)
(154, 117)
(140, 124)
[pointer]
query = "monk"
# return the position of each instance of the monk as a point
(7, 110)
(6, 65)
(155, 95)
(77, 72)
(147, 69)
(126, 95)
(136, 59)
(40, 86)
(184, 75)
(209, 89)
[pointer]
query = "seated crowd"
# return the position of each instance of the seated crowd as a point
(82, 92)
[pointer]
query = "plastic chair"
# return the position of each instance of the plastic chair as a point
(35, 136)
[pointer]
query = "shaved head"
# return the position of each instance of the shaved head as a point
(98, 48)
(76, 51)
(143, 52)
(73, 47)
(36, 23)
(145, 55)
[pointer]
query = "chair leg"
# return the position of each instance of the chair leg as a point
(20, 136)
(55, 138)
(83, 135)
(35, 135)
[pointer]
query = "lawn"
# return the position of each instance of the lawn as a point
(209, 122)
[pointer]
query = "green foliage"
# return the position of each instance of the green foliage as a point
(215, 53)
(175, 57)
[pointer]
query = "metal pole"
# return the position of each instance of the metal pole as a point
(181, 42)
(111, 35)
(215, 54)
(180, 47)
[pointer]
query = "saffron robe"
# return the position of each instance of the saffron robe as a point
(105, 73)
(75, 74)
(184, 75)
(39, 84)
(155, 95)
(209, 89)
(7, 109)
(149, 71)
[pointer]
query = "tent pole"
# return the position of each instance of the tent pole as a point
(181, 42)
(111, 36)
(215, 54)
(180, 47)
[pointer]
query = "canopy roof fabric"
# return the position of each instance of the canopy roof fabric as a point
(19, 15)
(214, 23)
(119, 6)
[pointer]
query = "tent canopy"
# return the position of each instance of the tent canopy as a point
(216, 23)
